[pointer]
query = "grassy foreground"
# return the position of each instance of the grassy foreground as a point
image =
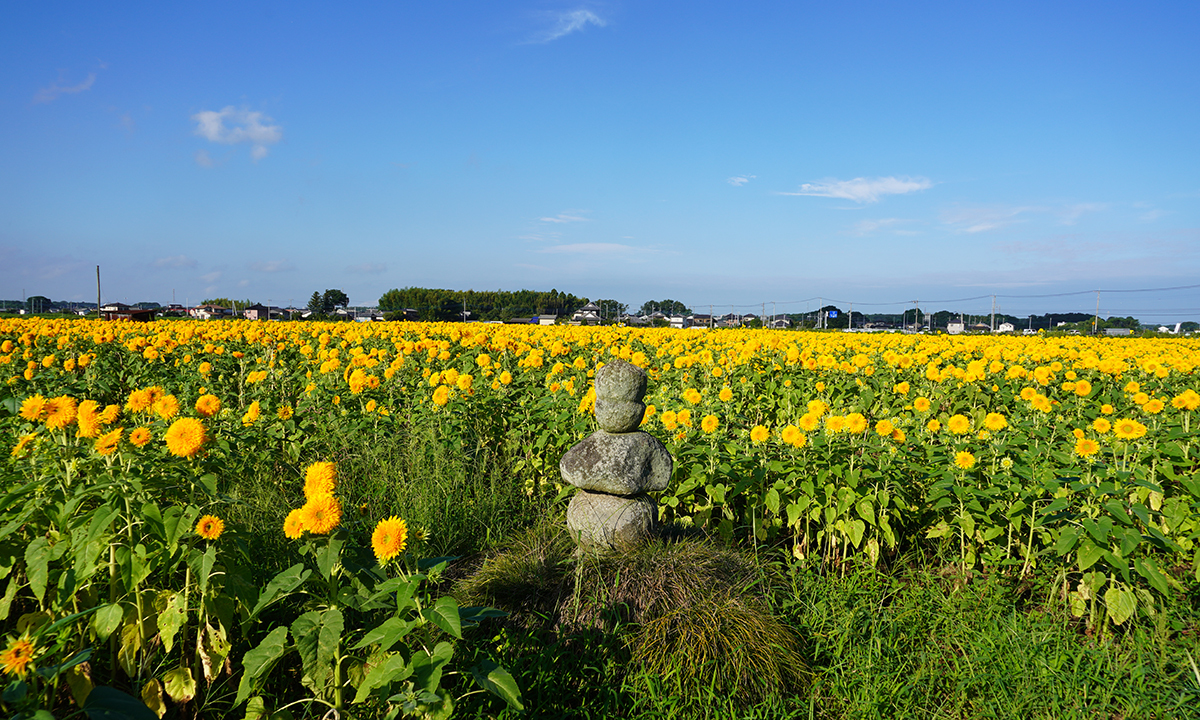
(913, 638)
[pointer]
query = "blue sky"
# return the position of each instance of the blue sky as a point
(730, 154)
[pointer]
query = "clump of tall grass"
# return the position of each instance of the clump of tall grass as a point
(692, 614)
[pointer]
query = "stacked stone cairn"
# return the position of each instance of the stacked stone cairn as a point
(616, 466)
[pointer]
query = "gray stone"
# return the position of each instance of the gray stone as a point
(601, 522)
(619, 380)
(619, 416)
(617, 463)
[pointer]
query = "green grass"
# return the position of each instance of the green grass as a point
(602, 636)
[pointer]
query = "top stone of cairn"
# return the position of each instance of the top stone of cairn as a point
(620, 380)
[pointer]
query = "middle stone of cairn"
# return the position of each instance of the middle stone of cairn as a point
(616, 466)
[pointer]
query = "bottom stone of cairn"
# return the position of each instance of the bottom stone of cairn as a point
(599, 521)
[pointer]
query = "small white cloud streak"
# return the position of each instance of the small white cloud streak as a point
(211, 277)
(49, 94)
(564, 217)
(175, 261)
(863, 190)
(590, 249)
(203, 159)
(272, 266)
(569, 22)
(230, 126)
(740, 180)
(1071, 214)
(982, 219)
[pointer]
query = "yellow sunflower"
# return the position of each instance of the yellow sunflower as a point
(17, 656)
(389, 538)
(759, 434)
(107, 443)
(320, 479)
(208, 405)
(293, 525)
(322, 514)
(964, 460)
(210, 527)
(185, 437)
(140, 436)
(710, 423)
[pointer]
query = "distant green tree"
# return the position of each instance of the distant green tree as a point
(315, 305)
(666, 307)
(334, 299)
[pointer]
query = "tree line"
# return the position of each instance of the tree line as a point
(439, 305)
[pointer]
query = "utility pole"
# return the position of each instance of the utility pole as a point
(1096, 319)
(97, 292)
(850, 318)
(710, 317)
(993, 320)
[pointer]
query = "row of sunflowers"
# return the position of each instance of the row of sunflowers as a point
(1003, 453)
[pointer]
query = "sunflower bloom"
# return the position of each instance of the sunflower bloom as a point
(87, 419)
(995, 422)
(759, 434)
(726, 394)
(1127, 429)
(710, 423)
(921, 404)
(17, 656)
(964, 460)
(208, 405)
(252, 414)
(140, 436)
(1085, 447)
(33, 408)
(19, 449)
(107, 443)
(321, 514)
(185, 437)
(166, 407)
(320, 478)
(958, 424)
(884, 427)
(60, 412)
(389, 538)
(210, 527)
(441, 396)
(293, 525)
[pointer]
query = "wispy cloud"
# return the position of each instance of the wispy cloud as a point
(50, 94)
(982, 219)
(211, 277)
(565, 23)
(272, 266)
(1070, 214)
(203, 159)
(739, 180)
(175, 261)
(863, 190)
(568, 216)
(230, 126)
(367, 268)
(591, 249)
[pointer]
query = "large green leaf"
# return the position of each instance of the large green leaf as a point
(387, 634)
(1088, 554)
(499, 682)
(1121, 603)
(427, 666)
(393, 669)
(444, 614)
(280, 586)
(37, 566)
(258, 661)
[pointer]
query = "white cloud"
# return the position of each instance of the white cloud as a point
(175, 261)
(982, 219)
(565, 23)
(739, 180)
(1151, 215)
(863, 190)
(590, 249)
(243, 283)
(368, 268)
(211, 277)
(272, 266)
(1071, 213)
(230, 126)
(49, 94)
(566, 217)
(203, 159)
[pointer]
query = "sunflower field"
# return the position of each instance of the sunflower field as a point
(124, 444)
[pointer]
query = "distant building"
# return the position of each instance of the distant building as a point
(587, 315)
(1118, 331)
(1006, 327)
(121, 311)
